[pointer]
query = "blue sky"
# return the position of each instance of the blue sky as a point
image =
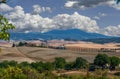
(112, 18)
(105, 13)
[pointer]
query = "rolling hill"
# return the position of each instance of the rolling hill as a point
(74, 34)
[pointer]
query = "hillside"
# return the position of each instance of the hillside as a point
(71, 34)
(104, 40)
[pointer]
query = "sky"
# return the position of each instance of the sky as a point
(94, 16)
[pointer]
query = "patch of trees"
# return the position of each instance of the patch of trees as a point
(103, 61)
(22, 44)
(25, 70)
(40, 70)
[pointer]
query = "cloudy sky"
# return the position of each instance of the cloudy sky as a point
(94, 16)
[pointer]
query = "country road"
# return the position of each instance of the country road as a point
(9, 53)
(36, 54)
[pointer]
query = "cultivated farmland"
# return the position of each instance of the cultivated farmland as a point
(32, 54)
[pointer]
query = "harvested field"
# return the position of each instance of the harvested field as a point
(32, 54)
(9, 53)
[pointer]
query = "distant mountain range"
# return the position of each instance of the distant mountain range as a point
(104, 40)
(69, 34)
(73, 34)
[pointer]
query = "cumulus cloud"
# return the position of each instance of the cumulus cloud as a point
(28, 22)
(84, 4)
(5, 8)
(38, 9)
(114, 5)
(25, 22)
(65, 21)
(111, 30)
(70, 4)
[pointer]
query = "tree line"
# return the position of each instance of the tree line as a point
(36, 70)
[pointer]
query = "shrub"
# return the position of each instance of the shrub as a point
(59, 63)
(12, 73)
(80, 63)
(117, 74)
(114, 61)
(101, 60)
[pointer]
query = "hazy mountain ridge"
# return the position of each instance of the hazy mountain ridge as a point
(73, 34)
(57, 34)
(104, 40)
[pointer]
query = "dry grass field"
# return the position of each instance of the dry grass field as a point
(32, 54)
(9, 53)
(94, 45)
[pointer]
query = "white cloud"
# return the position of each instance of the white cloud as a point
(111, 30)
(84, 4)
(70, 4)
(5, 8)
(65, 21)
(38, 9)
(99, 16)
(102, 14)
(114, 5)
(28, 22)
(96, 17)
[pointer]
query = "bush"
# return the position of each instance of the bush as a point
(59, 63)
(12, 73)
(92, 68)
(21, 44)
(31, 73)
(39, 66)
(5, 64)
(102, 78)
(69, 66)
(48, 66)
(114, 61)
(101, 60)
(24, 64)
(80, 63)
(117, 74)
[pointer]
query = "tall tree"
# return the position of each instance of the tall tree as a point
(114, 61)
(80, 63)
(5, 26)
(101, 60)
(59, 63)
